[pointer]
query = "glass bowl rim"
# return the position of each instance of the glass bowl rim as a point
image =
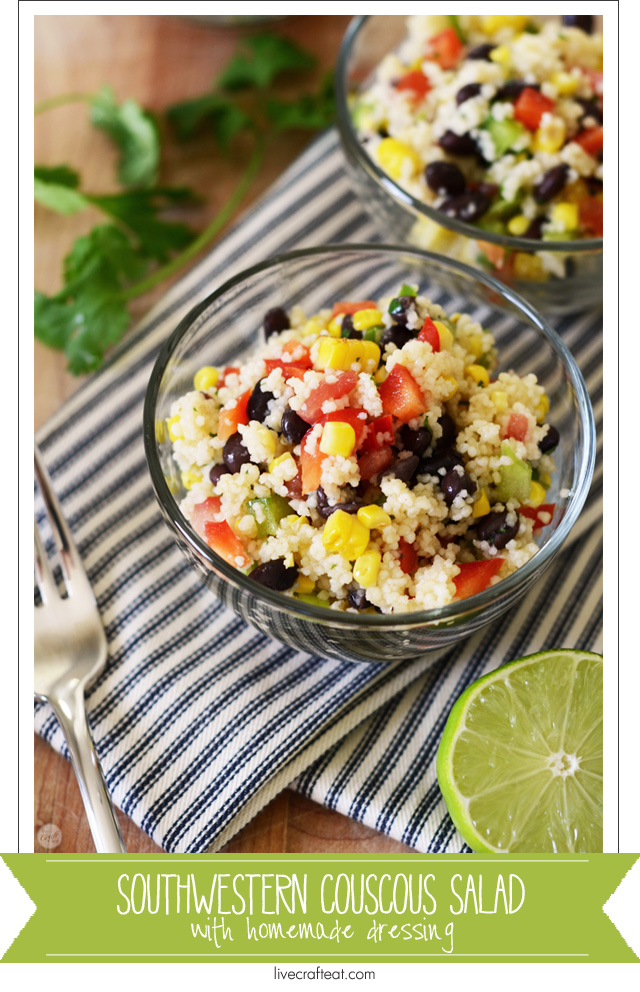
(407, 200)
(324, 615)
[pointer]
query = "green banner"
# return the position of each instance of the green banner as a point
(319, 908)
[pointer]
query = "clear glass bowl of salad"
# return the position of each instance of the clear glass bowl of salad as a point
(226, 329)
(503, 172)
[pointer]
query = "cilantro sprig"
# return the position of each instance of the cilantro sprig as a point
(138, 246)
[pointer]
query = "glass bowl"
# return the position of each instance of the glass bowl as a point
(403, 219)
(224, 327)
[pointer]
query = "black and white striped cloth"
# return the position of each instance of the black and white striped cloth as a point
(199, 720)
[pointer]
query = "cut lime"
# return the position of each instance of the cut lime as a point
(520, 760)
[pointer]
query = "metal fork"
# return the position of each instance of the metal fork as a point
(70, 651)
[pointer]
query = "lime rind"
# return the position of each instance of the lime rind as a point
(508, 763)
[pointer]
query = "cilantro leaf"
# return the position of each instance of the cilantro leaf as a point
(212, 111)
(139, 209)
(62, 175)
(135, 133)
(265, 57)
(90, 314)
(313, 111)
(60, 197)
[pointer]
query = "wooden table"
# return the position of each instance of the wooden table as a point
(157, 60)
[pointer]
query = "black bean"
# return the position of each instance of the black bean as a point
(459, 144)
(415, 440)
(551, 183)
(293, 427)
(513, 89)
(398, 335)
(591, 110)
(258, 405)
(400, 308)
(467, 206)
(550, 440)
(454, 482)
(468, 91)
(275, 320)
(445, 178)
(275, 575)
(403, 468)
(216, 473)
(494, 529)
(446, 461)
(489, 189)
(357, 598)
(449, 433)
(535, 228)
(582, 21)
(325, 509)
(480, 53)
(234, 453)
(347, 330)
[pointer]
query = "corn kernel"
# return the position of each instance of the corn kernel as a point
(575, 192)
(342, 353)
(373, 517)
(295, 522)
(289, 561)
(565, 216)
(174, 432)
(529, 267)
(482, 506)
(305, 585)
(190, 477)
(493, 23)
(565, 83)
(501, 55)
(500, 400)
(335, 327)
(366, 568)
(345, 535)
(370, 356)
(206, 378)
(313, 326)
(453, 386)
(518, 225)
(380, 375)
(550, 138)
(392, 156)
(280, 460)
(445, 335)
(364, 319)
(337, 438)
(267, 439)
(537, 494)
(545, 480)
(475, 345)
(478, 373)
(542, 408)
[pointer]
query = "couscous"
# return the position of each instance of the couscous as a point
(496, 121)
(368, 457)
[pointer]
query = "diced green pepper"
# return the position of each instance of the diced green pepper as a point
(504, 133)
(407, 290)
(274, 508)
(373, 333)
(515, 478)
(312, 600)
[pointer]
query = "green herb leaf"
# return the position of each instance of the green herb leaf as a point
(454, 21)
(313, 111)
(212, 111)
(62, 175)
(56, 196)
(265, 57)
(89, 314)
(139, 209)
(135, 133)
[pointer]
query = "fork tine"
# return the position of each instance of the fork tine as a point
(44, 576)
(72, 568)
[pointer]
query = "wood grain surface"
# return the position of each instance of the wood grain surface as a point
(157, 60)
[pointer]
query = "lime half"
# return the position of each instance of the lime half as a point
(520, 761)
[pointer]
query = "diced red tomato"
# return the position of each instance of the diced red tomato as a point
(294, 486)
(595, 78)
(379, 433)
(343, 306)
(229, 370)
(310, 465)
(530, 106)
(429, 333)
(290, 370)
(370, 463)
(590, 213)
(416, 83)
(517, 427)
(494, 253)
(224, 542)
(445, 49)
(534, 512)
(401, 395)
(311, 409)
(474, 576)
(204, 512)
(230, 420)
(349, 415)
(408, 557)
(591, 140)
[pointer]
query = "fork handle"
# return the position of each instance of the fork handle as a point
(70, 710)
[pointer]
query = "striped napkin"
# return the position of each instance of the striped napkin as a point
(199, 720)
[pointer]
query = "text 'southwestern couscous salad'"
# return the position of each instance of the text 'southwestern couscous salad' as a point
(366, 458)
(496, 121)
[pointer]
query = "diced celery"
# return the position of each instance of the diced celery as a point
(274, 509)
(312, 600)
(515, 478)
